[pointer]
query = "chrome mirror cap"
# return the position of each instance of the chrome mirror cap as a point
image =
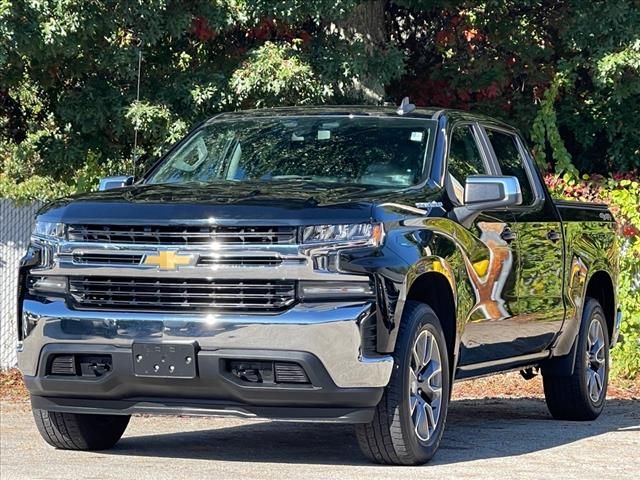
(107, 183)
(484, 192)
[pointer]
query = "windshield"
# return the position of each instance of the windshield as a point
(380, 151)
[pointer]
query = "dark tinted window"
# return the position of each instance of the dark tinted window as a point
(511, 162)
(464, 159)
(384, 152)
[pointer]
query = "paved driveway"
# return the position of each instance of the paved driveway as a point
(495, 438)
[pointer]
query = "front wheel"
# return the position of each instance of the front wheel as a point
(409, 420)
(75, 431)
(581, 396)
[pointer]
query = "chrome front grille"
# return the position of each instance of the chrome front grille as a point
(179, 235)
(146, 293)
(107, 258)
(114, 258)
(182, 268)
(239, 260)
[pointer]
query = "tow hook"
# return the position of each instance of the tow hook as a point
(529, 373)
(100, 368)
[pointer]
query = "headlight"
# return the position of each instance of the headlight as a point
(46, 237)
(314, 290)
(49, 284)
(357, 233)
(51, 230)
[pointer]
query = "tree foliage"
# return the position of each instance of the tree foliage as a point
(622, 193)
(566, 72)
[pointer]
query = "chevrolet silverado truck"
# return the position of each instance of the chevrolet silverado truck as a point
(332, 264)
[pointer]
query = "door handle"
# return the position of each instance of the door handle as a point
(553, 236)
(508, 235)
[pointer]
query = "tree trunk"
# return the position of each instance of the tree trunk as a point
(366, 21)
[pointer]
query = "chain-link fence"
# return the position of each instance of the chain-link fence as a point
(16, 223)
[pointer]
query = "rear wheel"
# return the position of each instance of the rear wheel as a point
(581, 396)
(409, 420)
(73, 431)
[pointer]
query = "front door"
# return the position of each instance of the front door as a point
(489, 331)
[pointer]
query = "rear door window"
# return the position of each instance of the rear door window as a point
(510, 161)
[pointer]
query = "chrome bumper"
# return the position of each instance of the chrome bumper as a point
(328, 331)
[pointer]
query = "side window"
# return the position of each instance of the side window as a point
(511, 162)
(464, 159)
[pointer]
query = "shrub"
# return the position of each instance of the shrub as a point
(622, 193)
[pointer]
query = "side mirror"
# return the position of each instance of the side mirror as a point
(486, 192)
(108, 183)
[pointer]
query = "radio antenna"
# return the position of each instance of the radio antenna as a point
(135, 126)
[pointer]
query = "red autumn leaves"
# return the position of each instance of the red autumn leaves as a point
(266, 29)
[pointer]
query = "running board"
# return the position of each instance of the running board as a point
(465, 372)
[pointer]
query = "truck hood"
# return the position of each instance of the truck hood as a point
(257, 203)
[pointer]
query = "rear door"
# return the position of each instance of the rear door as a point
(540, 309)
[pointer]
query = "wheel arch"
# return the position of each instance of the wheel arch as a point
(434, 289)
(431, 281)
(600, 287)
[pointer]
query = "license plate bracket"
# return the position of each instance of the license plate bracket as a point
(164, 360)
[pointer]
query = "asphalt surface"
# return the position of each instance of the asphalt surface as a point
(492, 438)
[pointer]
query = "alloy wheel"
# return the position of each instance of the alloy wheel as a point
(595, 358)
(425, 385)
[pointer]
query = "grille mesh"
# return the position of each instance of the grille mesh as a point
(182, 235)
(239, 261)
(290, 373)
(107, 258)
(135, 293)
(204, 260)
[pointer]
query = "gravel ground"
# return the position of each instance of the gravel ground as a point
(489, 438)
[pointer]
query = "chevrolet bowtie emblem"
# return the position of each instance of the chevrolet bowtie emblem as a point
(168, 260)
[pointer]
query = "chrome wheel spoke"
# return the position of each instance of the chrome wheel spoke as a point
(593, 386)
(425, 385)
(430, 416)
(596, 360)
(433, 374)
(598, 382)
(599, 355)
(413, 403)
(421, 422)
(420, 351)
(413, 382)
(430, 380)
(435, 404)
(593, 333)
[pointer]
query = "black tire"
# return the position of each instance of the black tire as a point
(391, 437)
(73, 431)
(568, 396)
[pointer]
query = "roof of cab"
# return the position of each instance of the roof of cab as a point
(342, 110)
(434, 113)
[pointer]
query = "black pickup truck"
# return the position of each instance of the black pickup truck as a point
(337, 264)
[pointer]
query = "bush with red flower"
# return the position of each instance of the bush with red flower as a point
(621, 191)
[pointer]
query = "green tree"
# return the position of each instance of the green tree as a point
(567, 72)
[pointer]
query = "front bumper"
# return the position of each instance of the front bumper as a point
(324, 338)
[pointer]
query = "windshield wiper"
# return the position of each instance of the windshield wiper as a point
(286, 177)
